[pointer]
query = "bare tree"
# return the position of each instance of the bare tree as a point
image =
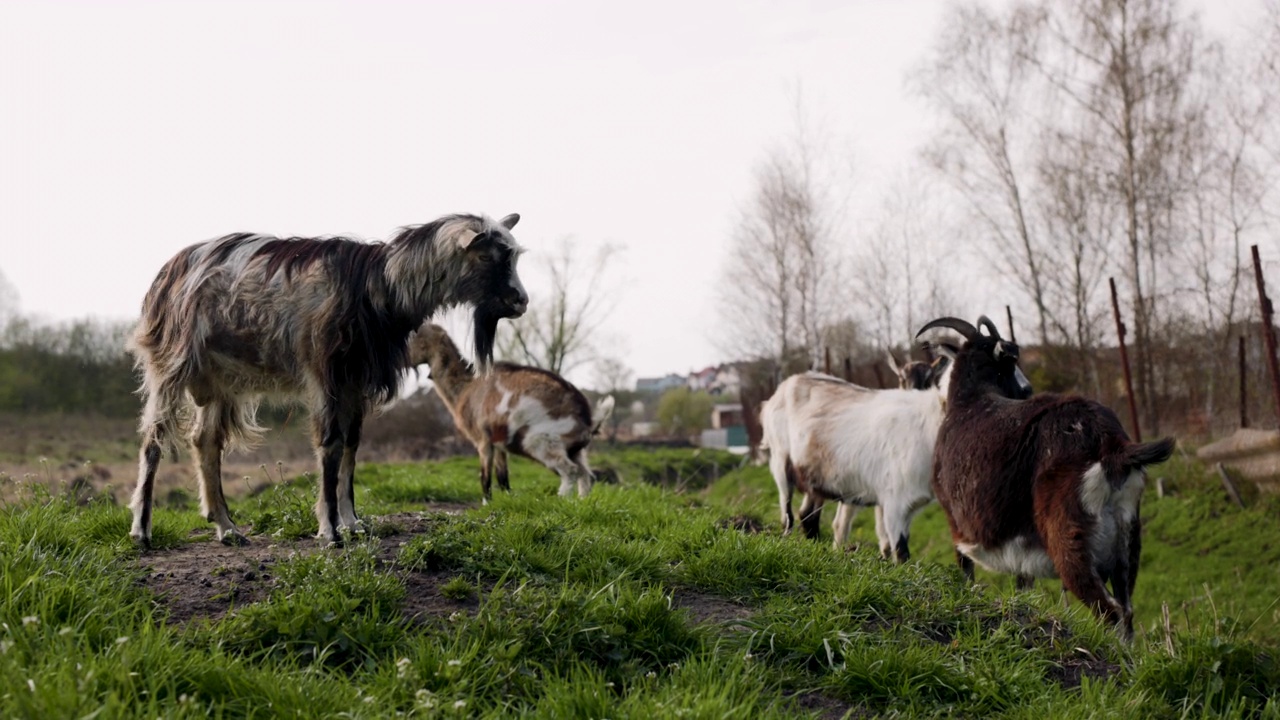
(559, 331)
(980, 79)
(8, 301)
(1129, 67)
(613, 377)
(1078, 221)
(775, 289)
(898, 273)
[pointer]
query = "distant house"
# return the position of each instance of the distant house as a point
(728, 431)
(659, 384)
(721, 379)
(725, 415)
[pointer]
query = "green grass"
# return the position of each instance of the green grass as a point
(638, 601)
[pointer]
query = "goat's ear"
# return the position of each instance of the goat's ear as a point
(471, 240)
(1005, 349)
(893, 362)
(938, 369)
(946, 350)
(510, 221)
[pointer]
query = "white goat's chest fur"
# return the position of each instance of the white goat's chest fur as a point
(1112, 511)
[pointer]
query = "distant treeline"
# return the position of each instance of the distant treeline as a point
(73, 367)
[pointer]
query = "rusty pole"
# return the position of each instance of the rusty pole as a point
(1124, 362)
(1268, 330)
(1009, 314)
(1244, 396)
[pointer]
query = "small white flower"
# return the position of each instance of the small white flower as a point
(31, 684)
(651, 674)
(608, 684)
(454, 663)
(122, 640)
(30, 620)
(369, 699)
(748, 656)
(459, 704)
(65, 631)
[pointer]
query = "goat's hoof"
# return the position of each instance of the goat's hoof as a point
(142, 542)
(329, 540)
(234, 538)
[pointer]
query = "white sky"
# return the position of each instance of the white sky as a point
(129, 130)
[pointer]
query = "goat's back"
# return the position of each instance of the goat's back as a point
(518, 398)
(832, 428)
(995, 455)
(254, 313)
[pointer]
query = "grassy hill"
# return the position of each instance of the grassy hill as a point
(667, 593)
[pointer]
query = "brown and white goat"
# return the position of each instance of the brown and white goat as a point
(525, 410)
(325, 321)
(1044, 487)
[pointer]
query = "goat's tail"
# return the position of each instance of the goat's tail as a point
(1153, 453)
(601, 414)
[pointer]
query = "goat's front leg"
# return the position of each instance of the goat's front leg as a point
(329, 440)
(895, 517)
(348, 520)
(811, 515)
(1124, 574)
(845, 512)
(966, 565)
(781, 478)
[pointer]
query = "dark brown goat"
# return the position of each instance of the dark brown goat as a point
(1044, 487)
(326, 321)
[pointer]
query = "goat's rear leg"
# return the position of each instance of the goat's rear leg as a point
(148, 461)
(501, 470)
(347, 518)
(1069, 551)
(208, 437)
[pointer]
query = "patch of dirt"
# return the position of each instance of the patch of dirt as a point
(704, 609)
(742, 523)
(1070, 672)
(825, 706)
(205, 579)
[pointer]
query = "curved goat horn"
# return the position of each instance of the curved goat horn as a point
(992, 330)
(961, 326)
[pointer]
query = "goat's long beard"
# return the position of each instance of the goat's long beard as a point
(486, 331)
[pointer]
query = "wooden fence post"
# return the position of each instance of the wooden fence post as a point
(1124, 361)
(1268, 330)
(1244, 395)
